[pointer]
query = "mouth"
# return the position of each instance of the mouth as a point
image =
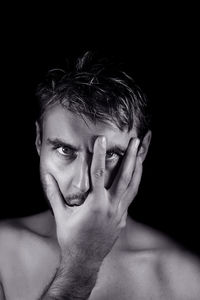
(74, 202)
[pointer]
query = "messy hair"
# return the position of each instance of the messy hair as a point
(98, 90)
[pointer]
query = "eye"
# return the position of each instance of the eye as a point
(66, 151)
(111, 155)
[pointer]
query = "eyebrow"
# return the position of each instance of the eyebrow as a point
(61, 143)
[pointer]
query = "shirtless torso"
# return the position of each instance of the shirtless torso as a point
(143, 264)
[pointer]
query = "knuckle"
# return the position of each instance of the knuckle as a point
(111, 212)
(125, 179)
(99, 173)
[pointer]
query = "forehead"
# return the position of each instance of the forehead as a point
(60, 123)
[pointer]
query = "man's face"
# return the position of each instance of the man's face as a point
(66, 151)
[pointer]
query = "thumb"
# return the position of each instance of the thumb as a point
(53, 194)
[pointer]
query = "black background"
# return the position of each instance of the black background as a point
(160, 50)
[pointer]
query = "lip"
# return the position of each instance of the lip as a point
(74, 202)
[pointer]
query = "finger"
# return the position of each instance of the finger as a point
(54, 195)
(123, 219)
(126, 170)
(98, 164)
(133, 187)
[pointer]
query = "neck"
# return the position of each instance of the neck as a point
(123, 242)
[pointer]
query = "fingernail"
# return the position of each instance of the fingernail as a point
(103, 141)
(137, 143)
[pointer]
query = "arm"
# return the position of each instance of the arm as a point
(73, 280)
(87, 234)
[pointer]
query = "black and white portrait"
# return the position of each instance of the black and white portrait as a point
(99, 147)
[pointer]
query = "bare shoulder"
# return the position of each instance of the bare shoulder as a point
(181, 269)
(173, 267)
(11, 230)
(19, 233)
(10, 235)
(40, 224)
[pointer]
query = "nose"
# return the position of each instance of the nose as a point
(81, 178)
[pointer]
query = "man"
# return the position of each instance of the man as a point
(93, 134)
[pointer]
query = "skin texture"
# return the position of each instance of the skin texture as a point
(87, 232)
(82, 136)
(91, 167)
(93, 250)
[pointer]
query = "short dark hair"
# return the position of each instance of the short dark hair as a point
(99, 90)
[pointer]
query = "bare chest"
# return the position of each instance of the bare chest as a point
(121, 277)
(129, 278)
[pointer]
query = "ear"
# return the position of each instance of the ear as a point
(144, 146)
(38, 141)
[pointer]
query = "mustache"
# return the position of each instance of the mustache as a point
(78, 196)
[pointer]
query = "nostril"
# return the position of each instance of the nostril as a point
(82, 183)
(81, 180)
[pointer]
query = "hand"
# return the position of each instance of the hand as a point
(91, 229)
